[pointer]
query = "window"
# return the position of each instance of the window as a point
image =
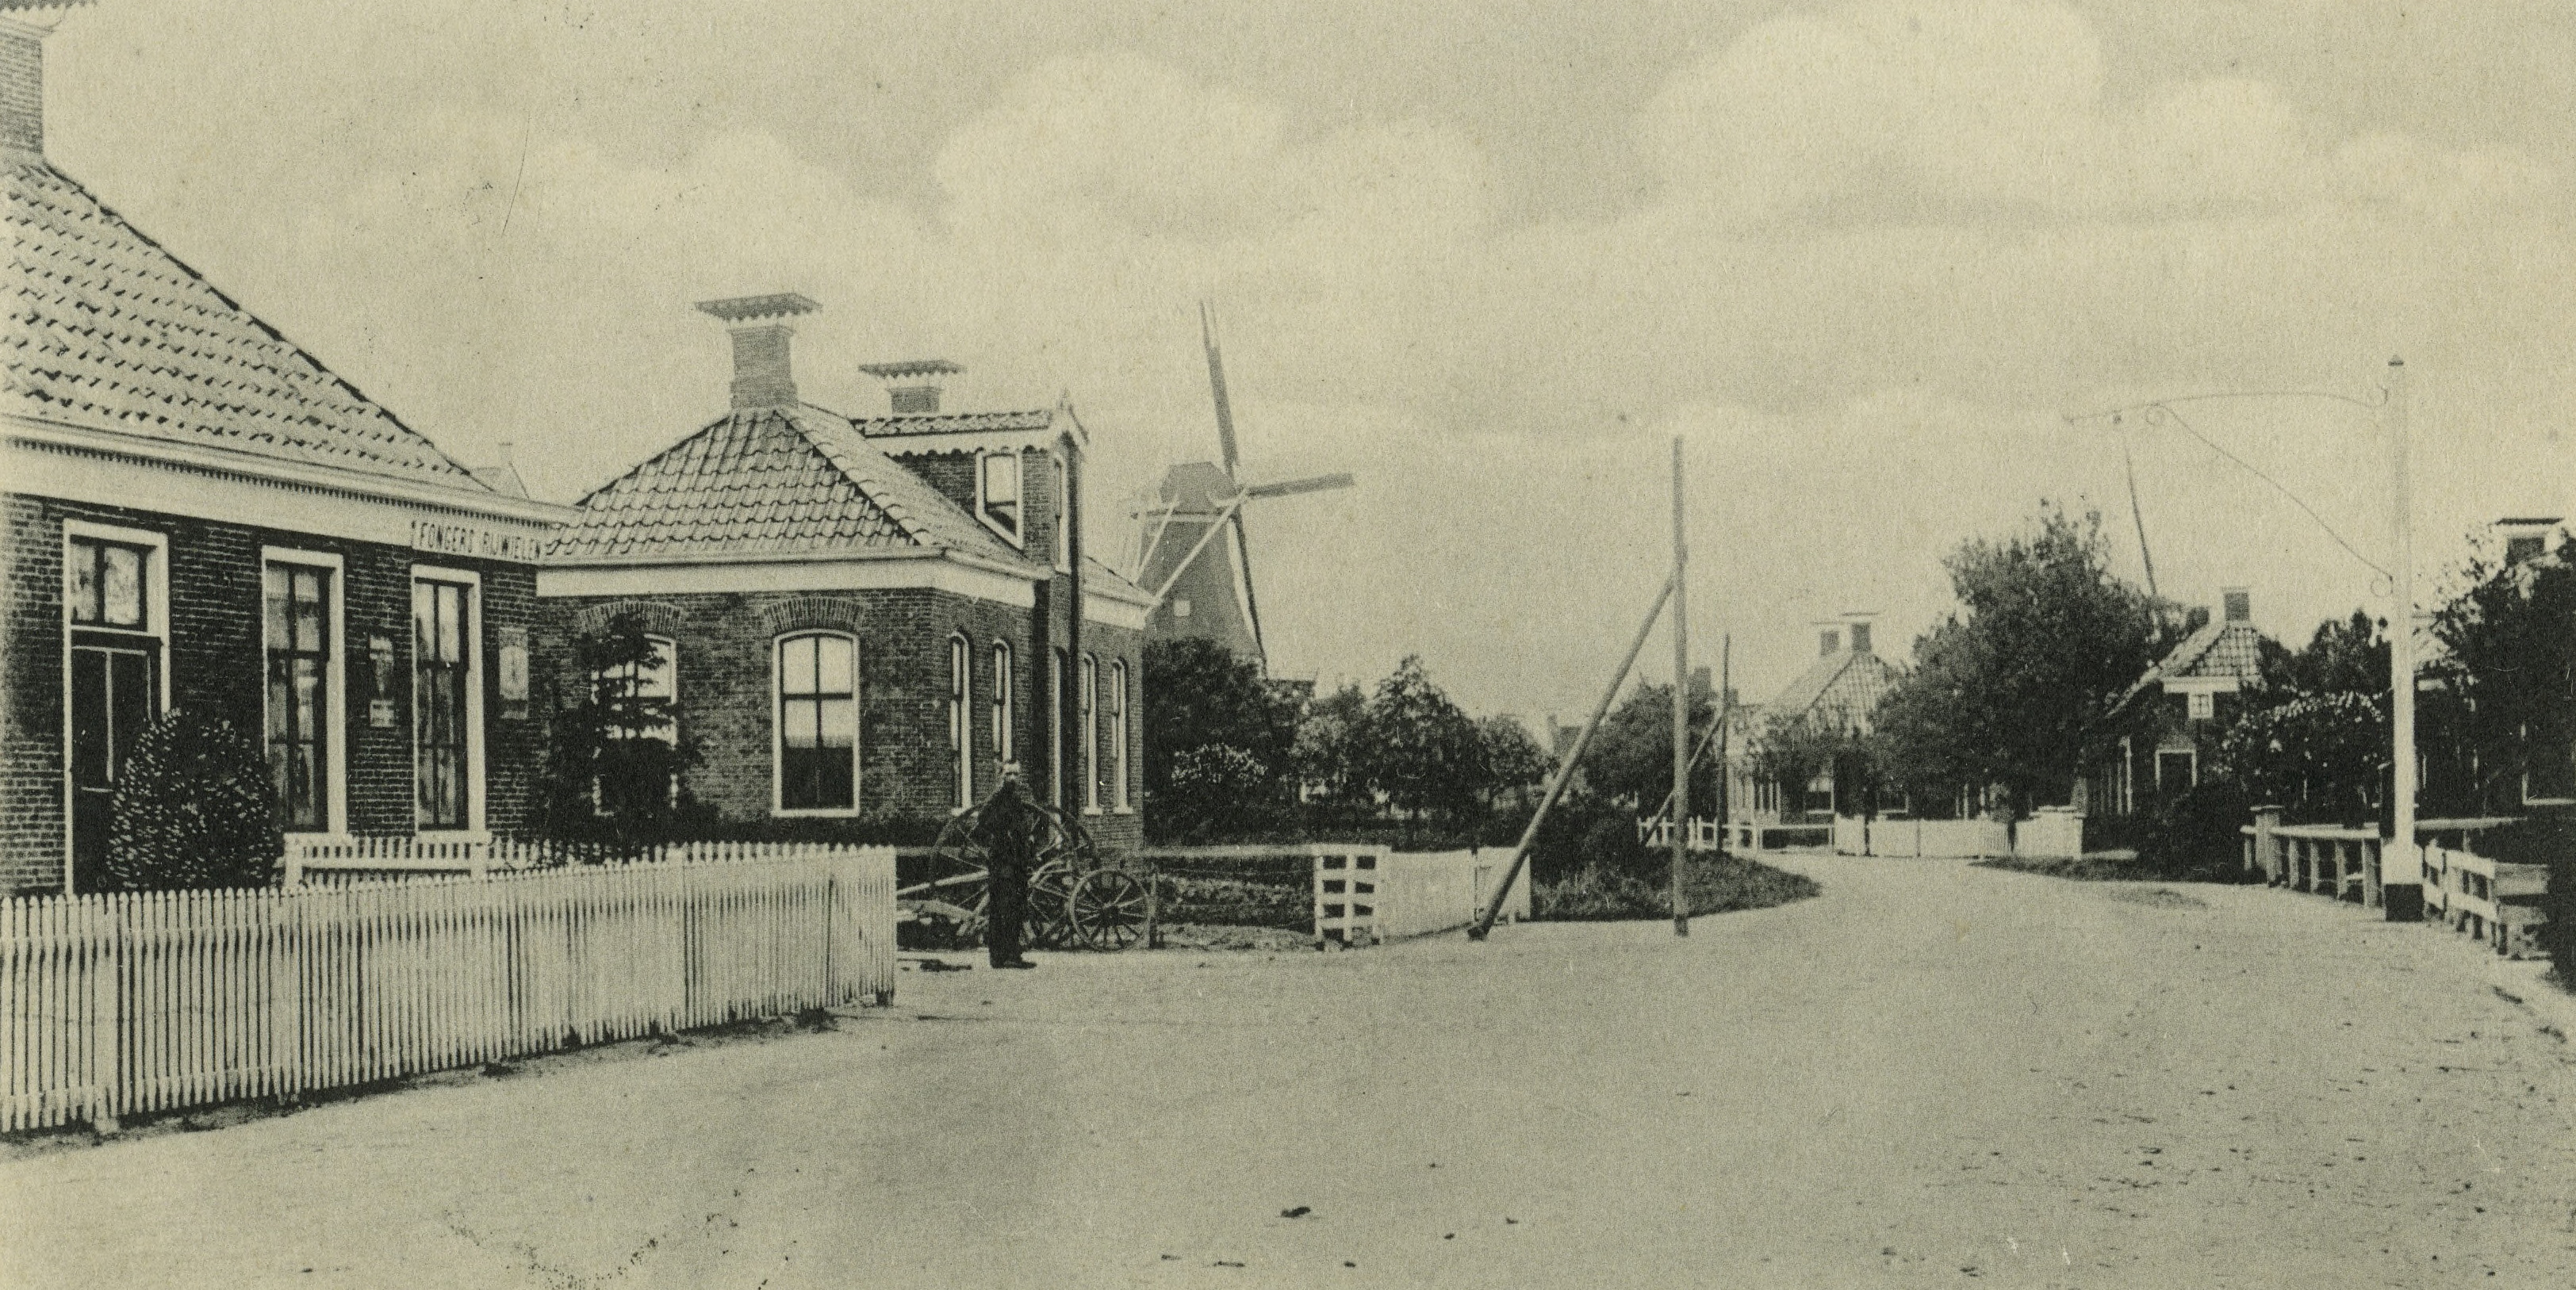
(1180, 606)
(658, 679)
(1118, 734)
(296, 629)
(1060, 506)
(115, 612)
(997, 493)
(1055, 729)
(447, 702)
(818, 723)
(2202, 706)
(1089, 764)
(1002, 729)
(961, 722)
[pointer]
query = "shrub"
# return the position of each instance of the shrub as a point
(194, 808)
(2198, 836)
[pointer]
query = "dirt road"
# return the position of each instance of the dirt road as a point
(1933, 1074)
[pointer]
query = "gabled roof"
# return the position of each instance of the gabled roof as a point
(1848, 682)
(2219, 649)
(110, 332)
(769, 483)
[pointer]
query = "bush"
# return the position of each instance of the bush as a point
(1715, 884)
(2198, 836)
(194, 808)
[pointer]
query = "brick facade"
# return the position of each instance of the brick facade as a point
(215, 657)
(723, 656)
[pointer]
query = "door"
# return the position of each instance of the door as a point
(115, 692)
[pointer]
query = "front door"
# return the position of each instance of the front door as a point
(115, 692)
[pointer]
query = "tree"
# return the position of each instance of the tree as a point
(1217, 791)
(2320, 756)
(2008, 692)
(1197, 695)
(2512, 673)
(615, 769)
(1514, 763)
(1418, 749)
(1631, 757)
(195, 807)
(1326, 754)
(2348, 656)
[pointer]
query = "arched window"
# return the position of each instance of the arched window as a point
(1089, 766)
(1118, 734)
(961, 727)
(1003, 752)
(657, 679)
(818, 723)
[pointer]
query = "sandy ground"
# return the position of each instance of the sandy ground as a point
(1933, 1074)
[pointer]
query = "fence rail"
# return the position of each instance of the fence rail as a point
(2493, 901)
(1368, 894)
(149, 1001)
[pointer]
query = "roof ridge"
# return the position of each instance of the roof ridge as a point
(134, 230)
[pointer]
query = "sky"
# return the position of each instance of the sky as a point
(1874, 264)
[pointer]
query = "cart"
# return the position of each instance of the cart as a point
(1076, 900)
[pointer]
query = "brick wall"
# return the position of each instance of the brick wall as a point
(22, 90)
(215, 657)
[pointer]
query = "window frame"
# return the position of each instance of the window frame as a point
(471, 634)
(1060, 508)
(1087, 695)
(335, 680)
(1059, 662)
(1120, 800)
(778, 723)
(1002, 708)
(156, 631)
(961, 723)
(1016, 532)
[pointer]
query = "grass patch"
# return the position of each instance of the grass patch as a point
(2117, 866)
(1716, 884)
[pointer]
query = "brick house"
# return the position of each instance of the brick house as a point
(201, 514)
(1839, 692)
(864, 620)
(2169, 714)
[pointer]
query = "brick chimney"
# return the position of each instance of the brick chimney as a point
(1860, 638)
(2237, 604)
(22, 84)
(1829, 641)
(763, 375)
(912, 387)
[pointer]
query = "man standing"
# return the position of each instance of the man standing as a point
(1007, 827)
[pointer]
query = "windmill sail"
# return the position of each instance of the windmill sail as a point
(1216, 386)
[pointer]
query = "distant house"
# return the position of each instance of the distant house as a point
(202, 515)
(1838, 692)
(866, 619)
(2167, 716)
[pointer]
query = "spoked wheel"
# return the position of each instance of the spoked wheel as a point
(1107, 909)
(957, 888)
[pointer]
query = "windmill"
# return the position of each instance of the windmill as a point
(1191, 551)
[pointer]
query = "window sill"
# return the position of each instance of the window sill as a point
(815, 813)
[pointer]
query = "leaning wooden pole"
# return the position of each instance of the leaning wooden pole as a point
(1681, 707)
(1725, 718)
(1565, 770)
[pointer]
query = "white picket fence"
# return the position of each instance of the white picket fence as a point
(135, 1002)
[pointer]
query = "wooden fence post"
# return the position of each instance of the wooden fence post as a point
(106, 937)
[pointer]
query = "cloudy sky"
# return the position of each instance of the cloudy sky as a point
(1864, 258)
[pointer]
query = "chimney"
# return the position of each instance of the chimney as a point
(22, 85)
(1703, 681)
(1828, 641)
(1860, 638)
(912, 387)
(2238, 604)
(763, 377)
(2526, 538)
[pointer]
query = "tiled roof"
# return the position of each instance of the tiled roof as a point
(1846, 682)
(110, 331)
(2219, 649)
(769, 482)
(931, 423)
(1101, 578)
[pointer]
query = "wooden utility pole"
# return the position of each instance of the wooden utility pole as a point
(1681, 707)
(1725, 718)
(2403, 864)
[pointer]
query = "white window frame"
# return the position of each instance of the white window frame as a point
(961, 722)
(1058, 663)
(1120, 800)
(1003, 708)
(335, 686)
(1020, 473)
(1060, 506)
(2200, 705)
(475, 829)
(156, 599)
(778, 732)
(1089, 698)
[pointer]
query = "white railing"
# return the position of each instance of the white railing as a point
(1707, 833)
(2493, 901)
(133, 1002)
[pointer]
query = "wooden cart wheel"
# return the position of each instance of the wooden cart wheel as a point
(1107, 909)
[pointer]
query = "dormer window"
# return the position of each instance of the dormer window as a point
(997, 493)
